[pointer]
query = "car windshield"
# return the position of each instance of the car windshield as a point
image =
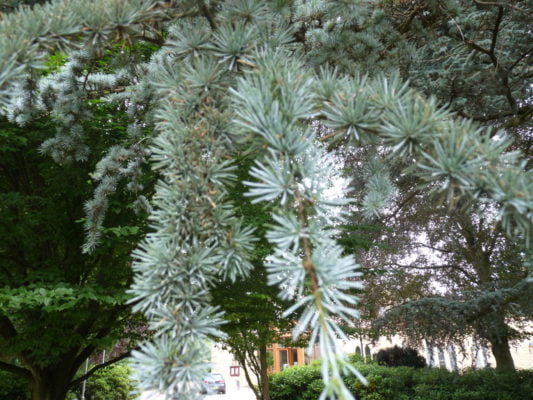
(213, 378)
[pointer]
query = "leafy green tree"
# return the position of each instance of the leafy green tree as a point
(253, 315)
(249, 75)
(251, 307)
(57, 305)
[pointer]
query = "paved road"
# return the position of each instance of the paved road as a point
(242, 394)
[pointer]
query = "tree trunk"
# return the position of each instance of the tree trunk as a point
(45, 391)
(498, 334)
(242, 361)
(263, 380)
(47, 385)
(502, 354)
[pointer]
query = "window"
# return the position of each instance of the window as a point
(442, 361)
(358, 350)
(367, 352)
(283, 359)
(234, 370)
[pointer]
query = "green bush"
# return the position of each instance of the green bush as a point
(407, 383)
(304, 381)
(13, 387)
(110, 383)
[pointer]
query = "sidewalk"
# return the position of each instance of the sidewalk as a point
(241, 394)
(232, 394)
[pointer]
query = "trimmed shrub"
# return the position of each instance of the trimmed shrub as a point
(400, 357)
(110, 383)
(303, 381)
(407, 383)
(13, 387)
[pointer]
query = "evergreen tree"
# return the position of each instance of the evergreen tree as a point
(249, 75)
(473, 57)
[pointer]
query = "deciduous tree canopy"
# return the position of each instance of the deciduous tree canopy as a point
(57, 305)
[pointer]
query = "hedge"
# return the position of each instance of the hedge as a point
(110, 383)
(406, 383)
(400, 357)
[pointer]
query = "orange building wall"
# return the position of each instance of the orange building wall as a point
(294, 356)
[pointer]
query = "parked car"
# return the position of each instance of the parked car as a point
(214, 383)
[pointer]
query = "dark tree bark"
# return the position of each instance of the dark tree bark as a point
(50, 384)
(479, 255)
(502, 354)
(499, 343)
(242, 361)
(54, 381)
(263, 379)
(253, 360)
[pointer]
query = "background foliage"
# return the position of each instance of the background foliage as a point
(111, 383)
(400, 357)
(13, 387)
(404, 383)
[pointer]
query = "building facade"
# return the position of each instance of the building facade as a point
(449, 357)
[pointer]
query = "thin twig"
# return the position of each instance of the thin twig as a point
(495, 31)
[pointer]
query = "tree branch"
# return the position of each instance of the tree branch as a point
(520, 59)
(443, 266)
(207, 14)
(100, 366)
(494, 60)
(242, 360)
(477, 47)
(405, 25)
(23, 372)
(501, 5)
(7, 330)
(496, 30)
(509, 113)
(432, 247)
(159, 41)
(407, 199)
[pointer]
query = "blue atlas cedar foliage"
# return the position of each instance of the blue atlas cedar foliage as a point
(245, 80)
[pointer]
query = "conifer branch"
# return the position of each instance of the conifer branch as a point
(207, 14)
(405, 25)
(307, 252)
(501, 5)
(520, 58)
(496, 30)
